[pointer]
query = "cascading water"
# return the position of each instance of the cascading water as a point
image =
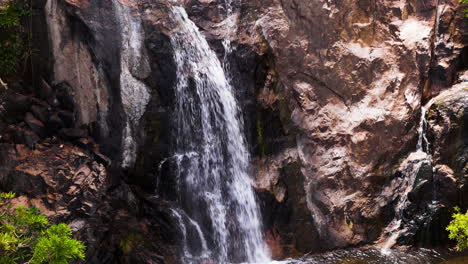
(230, 26)
(215, 188)
(423, 143)
(395, 228)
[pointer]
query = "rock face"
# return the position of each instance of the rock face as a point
(62, 172)
(354, 75)
(448, 136)
(331, 91)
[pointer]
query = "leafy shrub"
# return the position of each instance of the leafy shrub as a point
(466, 10)
(13, 37)
(27, 237)
(458, 229)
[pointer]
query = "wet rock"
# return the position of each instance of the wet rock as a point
(35, 125)
(40, 112)
(64, 94)
(352, 83)
(47, 93)
(449, 188)
(45, 89)
(67, 117)
(30, 139)
(15, 106)
(448, 129)
(116, 222)
(55, 123)
(21, 183)
(73, 133)
(448, 136)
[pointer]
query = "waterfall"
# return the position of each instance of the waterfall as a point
(423, 143)
(215, 188)
(395, 228)
(230, 27)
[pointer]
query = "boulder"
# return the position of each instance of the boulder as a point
(30, 139)
(73, 133)
(15, 107)
(67, 117)
(116, 221)
(54, 124)
(40, 112)
(64, 94)
(35, 125)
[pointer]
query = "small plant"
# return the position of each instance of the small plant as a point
(458, 229)
(465, 2)
(27, 237)
(13, 37)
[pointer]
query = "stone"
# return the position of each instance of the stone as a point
(73, 133)
(67, 117)
(30, 139)
(35, 125)
(47, 93)
(54, 124)
(41, 113)
(15, 106)
(65, 96)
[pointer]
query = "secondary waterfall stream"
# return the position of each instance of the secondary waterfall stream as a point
(396, 227)
(215, 190)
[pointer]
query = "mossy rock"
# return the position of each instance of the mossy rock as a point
(130, 242)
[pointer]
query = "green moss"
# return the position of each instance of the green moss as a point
(154, 128)
(13, 36)
(431, 113)
(285, 113)
(130, 242)
(466, 10)
(260, 137)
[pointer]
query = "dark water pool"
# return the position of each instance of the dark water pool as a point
(378, 256)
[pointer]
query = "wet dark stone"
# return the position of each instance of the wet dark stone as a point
(30, 139)
(47, 93)
(67, 117)
(73, 133)
(64, 93)
(40, 112)
(35, 125)
(55, 123)
(22, 183)
(16, 105)
(421, 192)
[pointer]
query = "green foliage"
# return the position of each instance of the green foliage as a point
(12, 36)
(466, 10)
(56, 246)
(27, 237)
(260, 137)
(458, 229)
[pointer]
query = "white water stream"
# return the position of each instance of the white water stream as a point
(216, 190)
(395, 228)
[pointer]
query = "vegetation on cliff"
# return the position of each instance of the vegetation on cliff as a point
(27, 237)
(14, 38)
(458, 229)
(465, 2)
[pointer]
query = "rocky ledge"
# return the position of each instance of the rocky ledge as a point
(59, 169)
